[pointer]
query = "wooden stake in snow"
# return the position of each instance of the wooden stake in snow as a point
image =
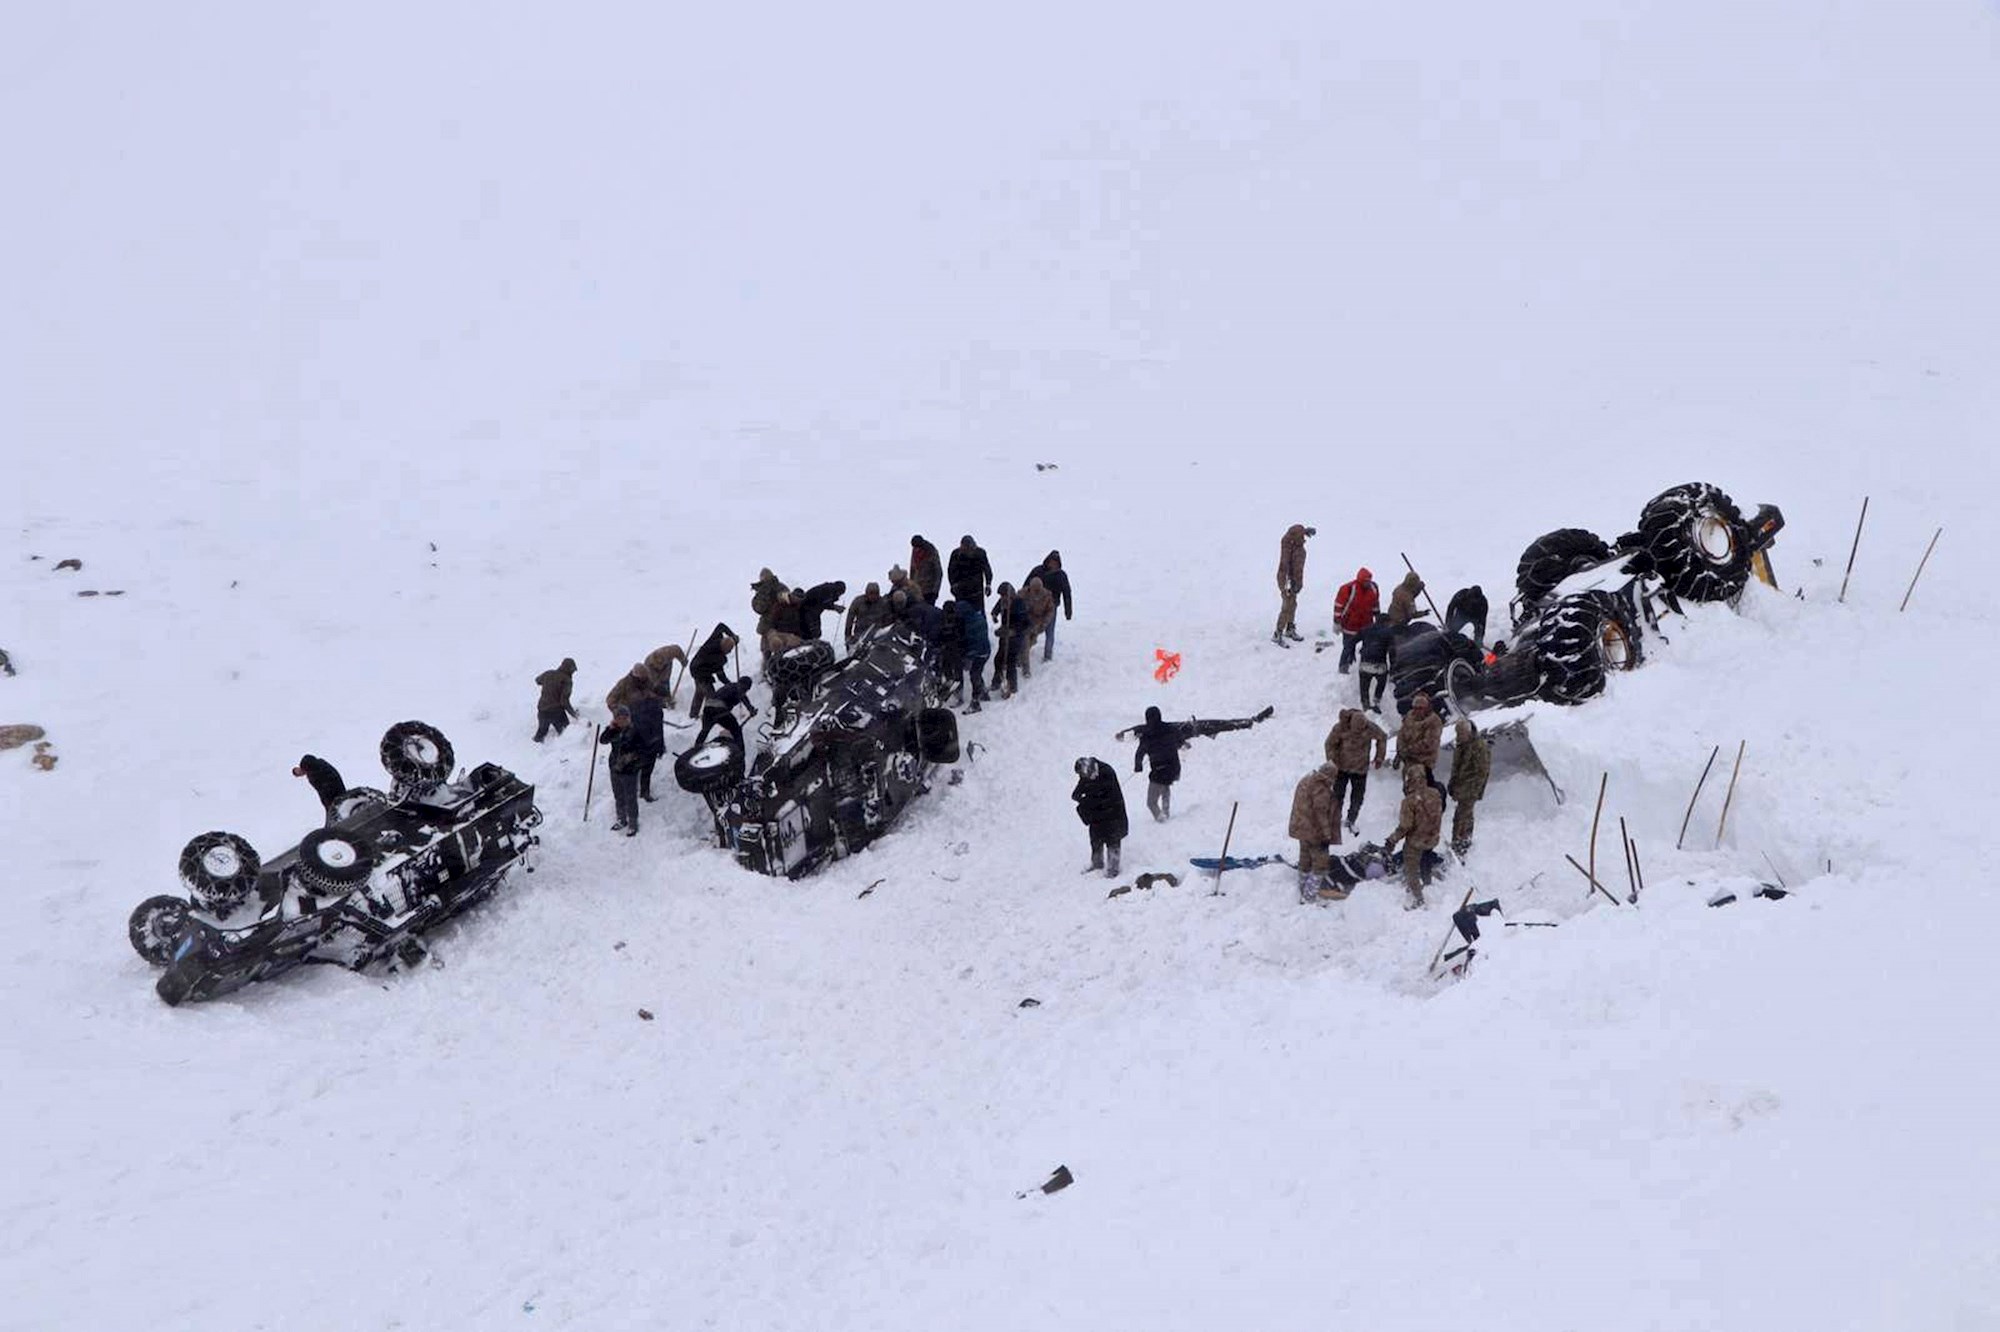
(673, 686)
(590, 781)
(1723, 822)
(1223, 864)
(1602, 782)
(1427, 591)
(1853, 551)
(1920, 570)
(1696, 796)
(1638, 868)
(1631, 875)
(1593, 879)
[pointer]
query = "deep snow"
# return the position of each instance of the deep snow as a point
(615, 306)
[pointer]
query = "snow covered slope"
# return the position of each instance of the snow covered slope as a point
(382, 359)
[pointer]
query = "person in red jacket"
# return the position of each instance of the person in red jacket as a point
(1354, 608)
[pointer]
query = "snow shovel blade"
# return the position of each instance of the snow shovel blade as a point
(1512, 753)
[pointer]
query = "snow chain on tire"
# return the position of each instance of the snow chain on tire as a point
(331, 863)
(1696, 541)
(416, 753)
(154, 927)
(1551, 558)
(1578, 642)
(219, 869)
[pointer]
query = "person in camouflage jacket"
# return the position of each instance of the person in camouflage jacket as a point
(1471, 766)
(1291, 580)
(1417, 826)
(1315, 824)
(632, 686)
(765, 593)
(1347, 749)
(1421, 734)
(1403, 601)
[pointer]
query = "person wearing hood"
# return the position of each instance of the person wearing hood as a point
(1471, 765)
(764, 598)
(1417, 829)
(631, 686)
(970, 573)
(1467, 610)
(1348, 747)
(1421, 736)
(1403, 601)
(1100, 804)
(926, 569)
(710, 665)
(661, 662)
(554, 709)
(1315, 824)
(1354, 608)
(1291, 581)
(1050, 571)
(867, 611)
(1041, 619)
(815, 603)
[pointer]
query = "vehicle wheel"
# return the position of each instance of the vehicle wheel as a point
(1581, 640)
(332, 864)
(796, 670)
(937, 735)
(1697, 542)
(361, 800)
(219, 869)
(1550, 559)
(713, 767)
(417, 754)
(155, 925)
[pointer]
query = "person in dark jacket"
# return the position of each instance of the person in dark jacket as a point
(867, 611)
(977, 646)
(648, 713)
(1160, 744)
(555, 709)
(924, 620)
(710, 665)
(625, 755)
(815, 603)
(926, 569)
(325, 780)
(1100, 803)
(950, 661)
(1050, 571)
(1010, 639)
(718, 711)
(1372, 651)
(970, 572)
(1467, 608)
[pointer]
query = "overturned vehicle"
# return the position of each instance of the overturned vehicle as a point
(387, 867)
(1583, 607)
(851, 745)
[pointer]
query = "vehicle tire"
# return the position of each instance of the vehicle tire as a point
(219, 869)
(358, 801)
(332, 864)
(710, 768)
(415, 753)
(1697, 542)
(1580, 641)
(1550, 559)
(937, 735)
(155, 925)
(795, 671)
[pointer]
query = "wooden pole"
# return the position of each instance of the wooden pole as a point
(673, 686)
(1638, 868)
(1223, 864)
(590, 782)
(1853, 550)
(1631, 875)
(1427, 591)
(1696, 796)
(1723, 822)
(1920, 570)
(1593, 879)
(1602, 782)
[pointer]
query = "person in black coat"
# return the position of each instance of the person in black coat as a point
(325, 779)
(1373, 654)
(1010, 639)
(817, 601)
(1467, 608)
(1100, 803)
(970, 573)
(625, 755)
(1160, 744)
(718, 711)
(710, 665)
(1050, 571)
(649, 727)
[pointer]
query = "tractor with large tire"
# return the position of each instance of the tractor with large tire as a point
(387, 867)
(853, 744)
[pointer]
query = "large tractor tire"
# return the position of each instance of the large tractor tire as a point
(710, 768)
(332, 864)
(1579, 641)
(416, 754)
(155, 925)
(219, 869)
(1550, 559)
(1696, 541)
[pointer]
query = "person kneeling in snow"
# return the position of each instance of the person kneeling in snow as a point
(1100, 803)
(1316, 825)
(1417, 829)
